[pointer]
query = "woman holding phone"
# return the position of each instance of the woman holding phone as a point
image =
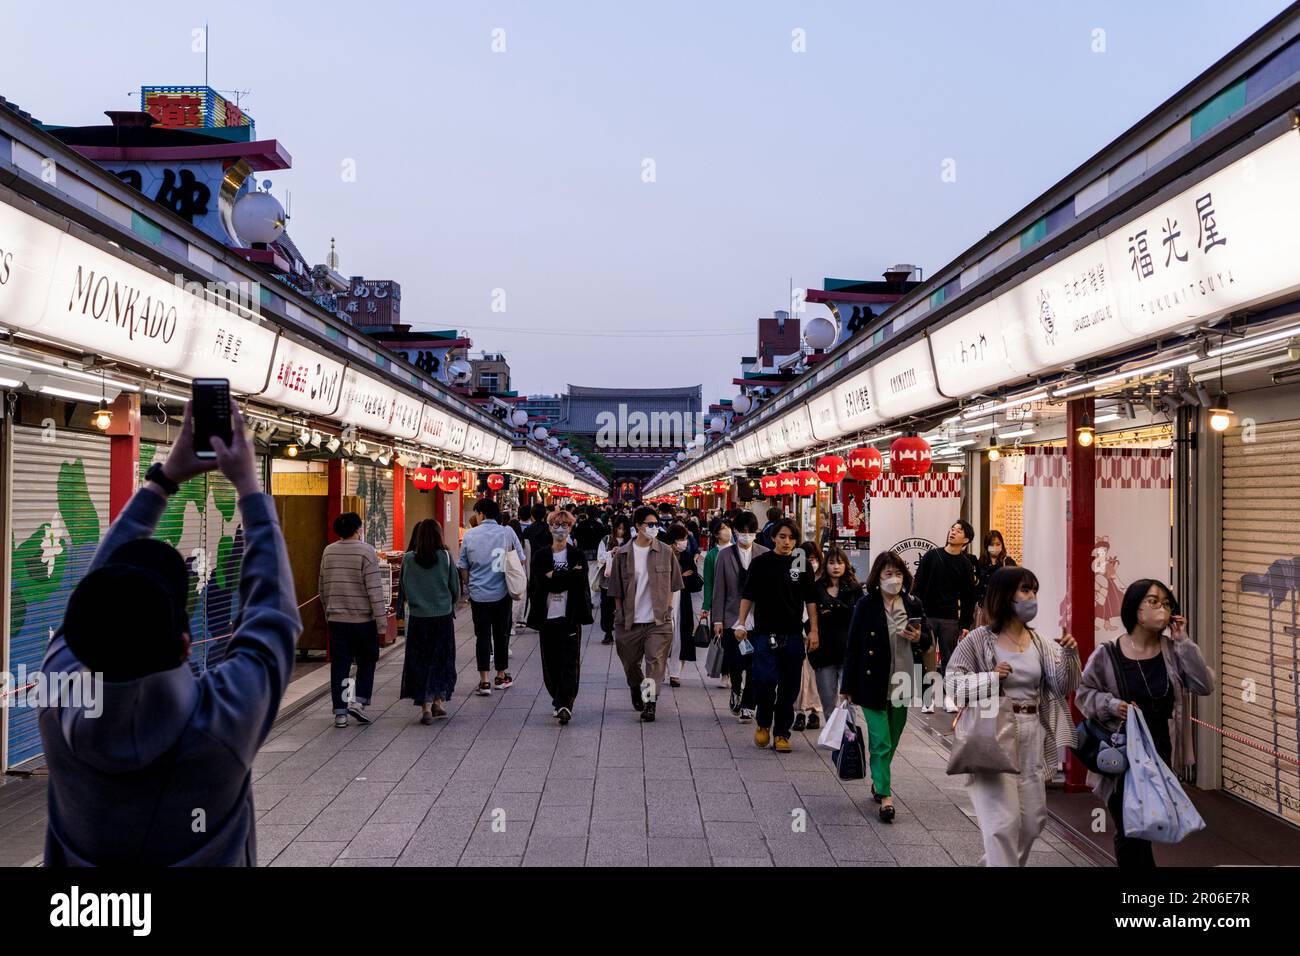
(1155, 669)
(887, 636)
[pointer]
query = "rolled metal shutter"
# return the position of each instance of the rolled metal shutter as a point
(374, 485)
(60, 512)
(1261, 614)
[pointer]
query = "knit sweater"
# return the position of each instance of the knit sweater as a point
(351, 590)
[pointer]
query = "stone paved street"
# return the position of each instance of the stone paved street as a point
(607, 790)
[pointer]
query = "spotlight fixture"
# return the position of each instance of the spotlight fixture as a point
(315, 439)
(384, 460)
(333, 444)
(304, 437)
(103, 416)
(351, 467)
(361, 448)
(1220, 414)
(1085, 433)
(291, 450)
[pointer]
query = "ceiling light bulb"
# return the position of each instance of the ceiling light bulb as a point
(292, 451)
(1085, 433)
(994, 454)
(1220, 414)
(103, 417)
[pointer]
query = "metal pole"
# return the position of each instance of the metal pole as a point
(1080, 528)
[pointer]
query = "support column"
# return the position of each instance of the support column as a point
(1080, 531)
(123, 452)
(336, 475)
(399, 507)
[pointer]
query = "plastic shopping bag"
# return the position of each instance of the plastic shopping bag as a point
(713, 659)
(833, 732)
(1155, 806)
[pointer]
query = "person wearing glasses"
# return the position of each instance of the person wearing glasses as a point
(644, 582)
(1156, 662)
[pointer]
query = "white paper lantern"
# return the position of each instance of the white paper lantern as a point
(681, 456)
(717, 423)
(742, 403)
(540, 433)
(519, 417)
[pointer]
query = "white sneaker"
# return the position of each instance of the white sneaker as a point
(927, 709)
(746, 714)
(949, 705)
(649, 692)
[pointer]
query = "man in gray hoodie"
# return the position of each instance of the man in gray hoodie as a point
(163, 775)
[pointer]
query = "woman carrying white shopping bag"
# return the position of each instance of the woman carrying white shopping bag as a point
(1029, 677)
(1156, 670)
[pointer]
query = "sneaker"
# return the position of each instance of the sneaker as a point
(564, 714)
(927, 709)
(359, 712)
(648, 715)
(800, 721)
(340, 720)
(484, 689)
(782, 745)
(649, 692)
(762, 737)
(426, 719)
(746, 714)
(814, 721)
(637, 702)
(503, 681)
(949, 705)
(734, 703)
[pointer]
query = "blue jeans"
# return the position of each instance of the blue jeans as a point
(778, 676)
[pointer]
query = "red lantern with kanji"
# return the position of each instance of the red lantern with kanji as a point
(865, 464)
(426, 479)
(770, 485)
(805, 483)
(909, 456)
(532, 486)
(788, 482)
(496, 482)
(449, 480)
(830, 469)
(720, 487)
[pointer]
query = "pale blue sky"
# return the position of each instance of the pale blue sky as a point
(522, 170)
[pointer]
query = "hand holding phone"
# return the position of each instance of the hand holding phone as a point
(211, 405)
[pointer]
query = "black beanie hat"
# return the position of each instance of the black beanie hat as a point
(125, 619)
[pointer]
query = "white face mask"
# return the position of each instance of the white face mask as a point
(560, 534)
(891, 586)
(651, 531)
(745, 539)
(995, 550)
(680, 546)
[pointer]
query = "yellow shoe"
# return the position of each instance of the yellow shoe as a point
(762, 737)
(783, 745)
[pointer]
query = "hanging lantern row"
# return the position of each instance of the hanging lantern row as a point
(909, 457)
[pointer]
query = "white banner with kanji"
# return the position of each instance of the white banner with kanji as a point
(911, 517)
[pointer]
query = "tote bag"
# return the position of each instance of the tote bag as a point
(516, 580)
(713, 659)
(1155, 806)
(985, 743)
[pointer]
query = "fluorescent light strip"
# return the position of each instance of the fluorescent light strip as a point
(171, 395)
(1016, 434)
(1253, 341)
(68, 372)
(9, 383)
(1124, 376)
(1112, 417)
(961, 444)
(68, 393)
(981, 410)
(987, 427)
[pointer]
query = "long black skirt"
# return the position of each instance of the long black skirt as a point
(686, 624)
(429, 668)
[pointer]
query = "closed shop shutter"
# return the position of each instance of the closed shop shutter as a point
(202, 522)
(373, 484)
(60, 511)
(1261, 614)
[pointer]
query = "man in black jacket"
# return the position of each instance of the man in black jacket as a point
(945, 583)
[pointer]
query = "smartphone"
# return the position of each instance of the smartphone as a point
(746, 648)
(211, 410)
(913, 622)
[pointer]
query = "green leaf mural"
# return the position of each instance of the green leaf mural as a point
(31, 578)
(224, 562)
(77, 509)
(223, 496)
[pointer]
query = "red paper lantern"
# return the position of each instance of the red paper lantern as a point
(788, 482)
(909, 456)
(496, 482)
(721, 487)
(830, 469)
(424, 478)
(865, 464)
(770, 485)
(805, 483)
(449, 481)
(531, 486)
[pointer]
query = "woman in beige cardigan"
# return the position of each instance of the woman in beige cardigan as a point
(1007, 658)
(1157, 670)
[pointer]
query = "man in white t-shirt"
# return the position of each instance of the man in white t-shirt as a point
(643, 582)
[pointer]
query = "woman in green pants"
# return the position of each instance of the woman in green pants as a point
(887, 636)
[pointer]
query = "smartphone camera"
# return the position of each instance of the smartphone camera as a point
(210, 407)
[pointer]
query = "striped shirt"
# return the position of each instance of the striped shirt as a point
(351, 590)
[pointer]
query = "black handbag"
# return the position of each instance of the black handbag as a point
(702, 635)
(851, 759)
(1099, 750)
